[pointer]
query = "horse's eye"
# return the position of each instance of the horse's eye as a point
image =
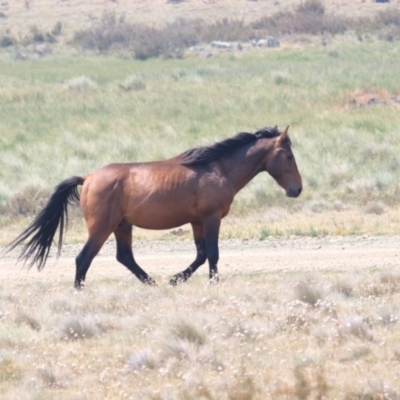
(290, 156)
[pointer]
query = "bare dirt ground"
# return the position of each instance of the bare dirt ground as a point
(162, 259)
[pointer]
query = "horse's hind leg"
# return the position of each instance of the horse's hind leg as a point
(99, 230)
(85, 258)
(123, 236)
(198, 233)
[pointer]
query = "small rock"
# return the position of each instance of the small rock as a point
(221, 45)
(272, 42)
(42, 49)
(205, 54)
(261, 42)
(195, 48)
(20, 56)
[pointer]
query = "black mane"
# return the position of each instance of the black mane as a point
(206, 154)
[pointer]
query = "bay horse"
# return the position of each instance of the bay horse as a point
(196, 187)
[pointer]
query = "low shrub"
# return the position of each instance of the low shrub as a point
(139, 40)
(228, 30)
(7, 40)
(38, 36)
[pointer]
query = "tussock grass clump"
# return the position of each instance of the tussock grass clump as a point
(172, 347)
(47, 376)
(10, 371)
(143, 359)
(13, 336)
(339, 175)
(64, 304)
(308, 291)
(343, 287)
(25, 319)
(132, 82)
(355, 351)
(281, 78)
(374, 391)
(388, 315)
(79, 327)
(375, 207)
(81, 84)
(307, 382)
(381, 286)
(318, 206)
(188, 331)
(355, 325)
(242, 388)
(389, 277)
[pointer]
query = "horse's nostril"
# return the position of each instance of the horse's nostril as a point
(300, 189)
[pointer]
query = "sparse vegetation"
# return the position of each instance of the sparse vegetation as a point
(193, 340)
(171, 40)
(122, 34)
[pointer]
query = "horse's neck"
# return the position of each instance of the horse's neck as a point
(242, 166)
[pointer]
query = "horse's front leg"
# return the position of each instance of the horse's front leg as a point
(198, 233)
(211, 225)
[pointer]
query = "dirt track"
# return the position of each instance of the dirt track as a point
(164, 258)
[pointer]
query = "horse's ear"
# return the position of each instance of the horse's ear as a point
(284, 135)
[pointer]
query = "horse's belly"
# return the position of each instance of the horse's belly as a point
(158, 221)
(160, 216)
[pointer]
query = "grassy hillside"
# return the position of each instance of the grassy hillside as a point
(66, 116)
(65, 111)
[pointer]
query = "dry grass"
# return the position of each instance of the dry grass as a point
(74, 14)
(251, 337)
(37, 22)
(276, 222)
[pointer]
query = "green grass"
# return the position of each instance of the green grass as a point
(68, 116)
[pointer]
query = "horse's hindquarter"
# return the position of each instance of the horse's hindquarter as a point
(164, 195)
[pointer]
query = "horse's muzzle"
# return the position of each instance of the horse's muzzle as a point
(293, 191)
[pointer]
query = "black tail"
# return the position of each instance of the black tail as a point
(54, 215)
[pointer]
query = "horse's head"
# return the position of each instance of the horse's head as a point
(281, 165)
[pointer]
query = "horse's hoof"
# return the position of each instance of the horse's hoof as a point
(151, 282)
(176, 279)
(79, 286)
(173, 281)
(214, 280)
